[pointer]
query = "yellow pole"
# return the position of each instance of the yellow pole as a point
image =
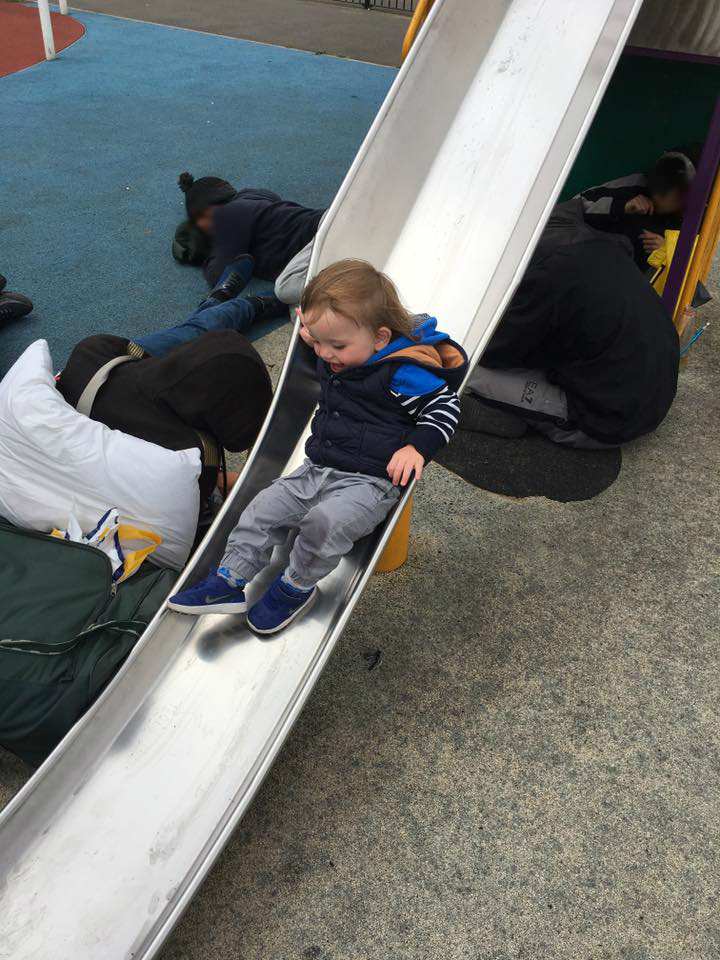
(418, 19)
(702, 254)
(396, 549)
(711, 223)
(712, 247)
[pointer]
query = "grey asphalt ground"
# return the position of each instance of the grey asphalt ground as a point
(531, 769)
(341, 29)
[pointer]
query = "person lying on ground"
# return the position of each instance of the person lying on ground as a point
(387, 405)
(247, 221)
(586, 353)
(198, 384)
(642, 207)
(13, 305)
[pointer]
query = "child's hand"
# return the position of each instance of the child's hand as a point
(651, 241)
(304, 332)
(402, 464)
(639, 204)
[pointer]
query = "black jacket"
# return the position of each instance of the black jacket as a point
(262, 224)
(604, 209)
(585, 315)
(209, 393)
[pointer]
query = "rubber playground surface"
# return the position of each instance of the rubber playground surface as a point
(86, 232)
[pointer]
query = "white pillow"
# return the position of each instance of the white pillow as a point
(55, 462)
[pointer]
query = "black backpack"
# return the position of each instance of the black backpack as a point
(189, 244)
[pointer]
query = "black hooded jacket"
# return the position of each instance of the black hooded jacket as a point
(585, 315)
(260, 223)
(212, 392)
(605, 210)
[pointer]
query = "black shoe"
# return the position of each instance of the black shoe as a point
(3, 282)
(702, 296)
(13, 306)
(236, 281)
(268, 306)
(479, 417)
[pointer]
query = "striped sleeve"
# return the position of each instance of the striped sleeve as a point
(436, 416)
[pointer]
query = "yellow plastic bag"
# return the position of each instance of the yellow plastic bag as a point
(661, 259)
(124, 545)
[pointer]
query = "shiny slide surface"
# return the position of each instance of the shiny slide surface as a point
(106, 844)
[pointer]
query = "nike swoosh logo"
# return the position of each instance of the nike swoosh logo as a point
(225, 596)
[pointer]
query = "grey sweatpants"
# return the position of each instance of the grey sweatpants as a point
(543, 404)
(329, 508)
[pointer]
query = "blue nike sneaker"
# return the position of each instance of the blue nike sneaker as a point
(212, 595)
(279, 606)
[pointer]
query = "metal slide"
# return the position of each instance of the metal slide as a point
(106, 844)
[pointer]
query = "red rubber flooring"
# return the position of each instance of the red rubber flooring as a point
(21, 42)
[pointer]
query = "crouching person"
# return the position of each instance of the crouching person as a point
(388, 404)
(211, 392)
(586, 353)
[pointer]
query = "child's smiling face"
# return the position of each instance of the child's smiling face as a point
(339, 341)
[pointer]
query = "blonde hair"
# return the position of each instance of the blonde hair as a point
(356, 290)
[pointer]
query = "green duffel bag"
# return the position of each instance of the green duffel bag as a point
(64, 631)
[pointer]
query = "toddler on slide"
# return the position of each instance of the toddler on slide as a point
(388, 404)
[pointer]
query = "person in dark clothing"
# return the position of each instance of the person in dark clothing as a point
(203, 196)
(586, 352)
(254, 221)
(199, 384)
(642, 207)
(212, 393)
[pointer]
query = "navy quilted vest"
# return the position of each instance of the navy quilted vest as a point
(359, 425)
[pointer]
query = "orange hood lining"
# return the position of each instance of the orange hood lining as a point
(442, 354)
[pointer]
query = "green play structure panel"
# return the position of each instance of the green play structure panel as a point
(650, 105)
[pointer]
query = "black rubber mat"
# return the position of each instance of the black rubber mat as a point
(530, 466)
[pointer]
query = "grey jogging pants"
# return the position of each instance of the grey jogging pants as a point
(543, 404)
(329, 508)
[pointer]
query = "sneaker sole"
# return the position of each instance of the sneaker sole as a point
(214, 608)
(296, 613)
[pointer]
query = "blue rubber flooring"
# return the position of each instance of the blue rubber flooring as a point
(93, 142)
